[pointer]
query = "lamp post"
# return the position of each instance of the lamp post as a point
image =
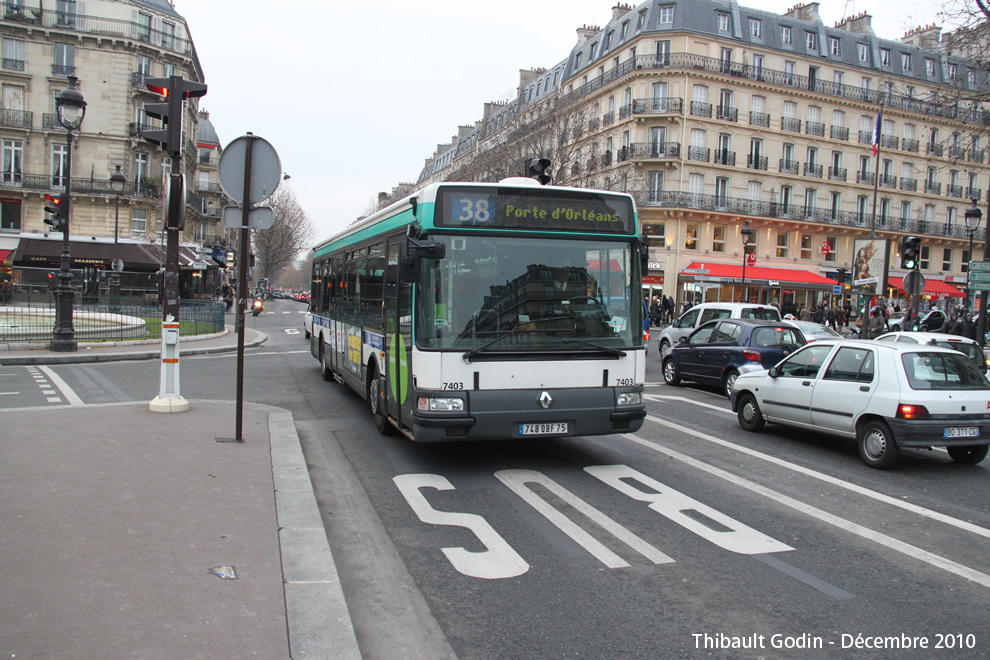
(71, 109)
(117, 181)
(972, 219)
(746, 233)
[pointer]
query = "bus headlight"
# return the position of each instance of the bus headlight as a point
(436, 404)
(629, 399)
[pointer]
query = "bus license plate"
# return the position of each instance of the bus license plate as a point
(552, 428)
(963, 432)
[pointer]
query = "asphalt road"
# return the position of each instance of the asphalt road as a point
(689, 539)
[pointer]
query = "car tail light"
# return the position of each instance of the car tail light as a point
(912, 411)
(751, 355)
(646, 336)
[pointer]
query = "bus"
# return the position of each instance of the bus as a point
(488, 311)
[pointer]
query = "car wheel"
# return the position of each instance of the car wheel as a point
(969, 455)
(750, 416)
(306, 332)
(730, 379)
(325, 371)
(670, 375)
(375, 403)
(664, 349)
(876, 445)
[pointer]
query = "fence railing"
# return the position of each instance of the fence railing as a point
(30, 317)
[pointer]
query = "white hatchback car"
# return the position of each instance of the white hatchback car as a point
(964, 345)
(886, 395)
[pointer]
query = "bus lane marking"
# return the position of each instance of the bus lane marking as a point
(841, 523)
(498, 561)
(516, 481)
(63, 387)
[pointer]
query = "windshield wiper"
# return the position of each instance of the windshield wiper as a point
(608, 349)
(469, 355)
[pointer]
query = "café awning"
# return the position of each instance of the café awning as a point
(755, 275)
(932, 287)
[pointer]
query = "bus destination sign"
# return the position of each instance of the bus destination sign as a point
(543, 209)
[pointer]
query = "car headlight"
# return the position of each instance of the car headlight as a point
(629, 399)
(440, 404)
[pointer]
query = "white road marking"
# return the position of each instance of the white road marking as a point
(814, 512)
(2, 393)
(659, 397)
(54, 399)
(63, 387)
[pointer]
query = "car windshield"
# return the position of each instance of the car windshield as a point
(942, 371)
(972, 351)
(775, 336)
(528, 294)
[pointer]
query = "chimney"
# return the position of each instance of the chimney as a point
(586, 33)
(526, 77)
(204, 114)
(860, 24)
(803, 12)
(927, 37)
(620, 10)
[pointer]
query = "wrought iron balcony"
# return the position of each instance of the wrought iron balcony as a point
(889, 141)
(910, 144)
(840, 133)
(727, 113)
(658, 106)
(910, 185)
(789, 166)
(759, 119)
(578, 131)
(956, 152)
(63, 70)
(865, 177)
(725, 157)
(50, 121)
(974, 193)
(934, 149)
(11, 64)
(135, 129)
(756, 162)
(608, 118)
(815, 128)
(699, 109)
(837, 173)
(933, 188)
(623, 155)
(812, 169)
(48, 183)
(954, 191)
(594, 124)
(625, 112)
(790, 124)
(975, 156)
(644, 150)
(888, 181)
(701, 154)
(16, 118)
(865, 137)
(208, 187)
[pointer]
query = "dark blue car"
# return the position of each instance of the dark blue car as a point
(713, 353)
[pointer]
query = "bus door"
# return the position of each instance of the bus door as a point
(398, 335)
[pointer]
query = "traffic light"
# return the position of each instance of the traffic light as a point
(842, 276)
(910, 252)
(175, 89)
(52, 280)
(57, 209)
(537, 168)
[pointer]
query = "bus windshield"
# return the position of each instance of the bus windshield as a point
(510, 294)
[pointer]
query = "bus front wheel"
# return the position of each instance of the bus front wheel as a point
(375, 402)
(325, 370)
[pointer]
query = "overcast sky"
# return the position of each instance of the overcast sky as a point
(355, 95)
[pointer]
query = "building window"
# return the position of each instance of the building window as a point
(863, 51)
(930, 68)
(723, 21)
(926, 255)
(65, 60)
(13, 54)
(952, 71)
(832, 253)
(833, 46)
(812, 40)
(807, 245)
(885, 57)
(905, 211)
(756, 28)
(656, 233)
(667, 14)
(13, 162)
(691, 236)
(947, 259)
(624, 31)
(168, 70)
(10, 214)
(718, 238)
(906, 62)
(139, 222)
(656, 186)
(782, 244)
(785, 35)
(168, 34)
(144, 26)
(834, 204)
(972, 79)
(140, 170)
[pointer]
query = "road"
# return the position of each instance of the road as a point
(690, 538)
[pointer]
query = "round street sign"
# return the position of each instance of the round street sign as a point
(266, 169)
(118, 265)
(914, 282)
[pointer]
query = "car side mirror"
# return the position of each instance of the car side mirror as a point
(773, 373)
(676, 323)
(682, 340)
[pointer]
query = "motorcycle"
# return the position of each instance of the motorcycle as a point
(257, 307)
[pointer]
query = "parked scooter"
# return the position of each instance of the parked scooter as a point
(257, 307)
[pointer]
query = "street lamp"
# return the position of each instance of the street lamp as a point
(71, 109)
(746, 233)
(972, 219)
(117, 181)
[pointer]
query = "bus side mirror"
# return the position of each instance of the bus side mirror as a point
(644, 257)
(414, 251)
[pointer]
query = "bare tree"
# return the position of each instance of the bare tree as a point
(291, 233)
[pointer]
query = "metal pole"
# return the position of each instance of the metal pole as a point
(981, 323)
(64, 335)
(745, 259)
(969, 290)
(115, 276)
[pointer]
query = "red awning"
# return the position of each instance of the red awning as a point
(932, 287)
(757, 275)
(5, 255)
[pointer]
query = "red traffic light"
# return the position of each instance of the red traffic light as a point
(157, 85)
(53, 199)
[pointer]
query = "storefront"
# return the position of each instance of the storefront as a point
(935, 293)
(707, 282)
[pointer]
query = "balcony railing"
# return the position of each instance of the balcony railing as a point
(954, 191)
(660, 106)
(642, 150)
(13, 64)
(759, 119)
(594, 124)
(865, 137)
(865, 177)
(789, 166)
(63, 70)
(812, 169)
(701, 154)
(699, 109)
(910, 185)
(974, 193)
(725, 157)
(16, 118)
(727, 113)
(790, 124)
(50, 121)
(608, 119)
(975, 156)
(721, 203)
(47, 182)
(934, 149)
(933, 188)
(956, 153)
(840, 133)
(815, 128)
(625, 112)
(837, 173)
(208, 187)
(888, 181)
(889, 141)
(910, 144)
(756, 162)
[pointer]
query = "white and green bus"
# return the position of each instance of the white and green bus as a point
(482, 311)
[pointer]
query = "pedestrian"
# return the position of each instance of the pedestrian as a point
(228, 297)
(819, 315)
(5, 291)
(876, 324)
(967, 328)
(667, 307)
(655, 311)
(830, 317)
(804, 313)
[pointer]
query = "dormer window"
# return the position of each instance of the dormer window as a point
(667, 14)
(812, 40)
(756, 28)
(885, 57)
(906, 62)
(930, 68)
(863, 51)
(833, 46)
(952, 70)
(640, 21)
(624, 32)
(785, 35)
(607, 41)
(723, 22)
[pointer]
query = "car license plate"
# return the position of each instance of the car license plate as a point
(962, 432)
(551, 428)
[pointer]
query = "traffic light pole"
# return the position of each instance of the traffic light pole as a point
(64, 334)
(981, 323)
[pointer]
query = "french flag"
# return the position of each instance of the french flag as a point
(876, 133)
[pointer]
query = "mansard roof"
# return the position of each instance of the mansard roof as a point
(164, 6)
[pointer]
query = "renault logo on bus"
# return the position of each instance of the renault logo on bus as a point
(546, 400)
